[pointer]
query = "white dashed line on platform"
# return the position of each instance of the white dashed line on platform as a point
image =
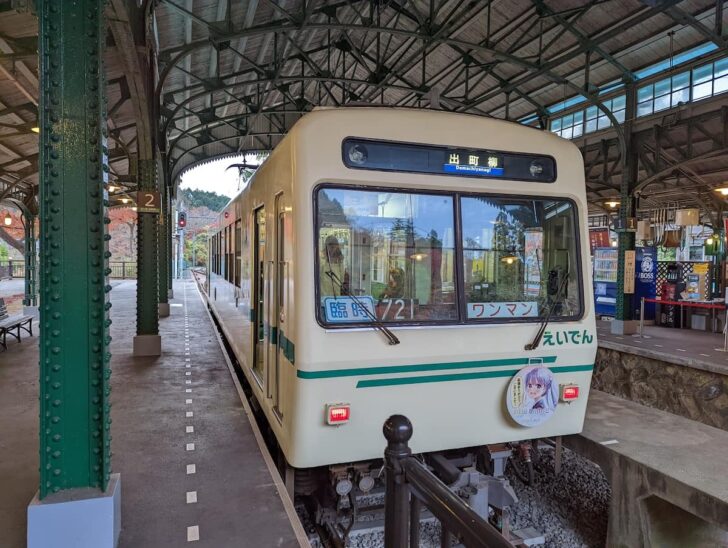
(190, 447)
(193, 533)
(191, 469)
(191, 497)
(681, 350)
(189, 414)
(188, 401)
(189, 429)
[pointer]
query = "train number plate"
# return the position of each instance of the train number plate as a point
(349, 310)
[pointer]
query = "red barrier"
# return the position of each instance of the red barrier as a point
(688, 303)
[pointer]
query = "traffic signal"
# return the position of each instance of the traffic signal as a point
(182, 219)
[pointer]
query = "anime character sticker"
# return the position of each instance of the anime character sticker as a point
(532, 396)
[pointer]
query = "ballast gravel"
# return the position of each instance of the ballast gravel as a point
(571, 510)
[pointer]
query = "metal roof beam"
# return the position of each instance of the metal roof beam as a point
(684, 18)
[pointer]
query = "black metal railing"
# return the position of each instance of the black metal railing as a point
(119, 269)
(123, 269)
(410, 486)
(10, 268)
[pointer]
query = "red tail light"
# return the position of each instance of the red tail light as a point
(569, 392)
(338, 413)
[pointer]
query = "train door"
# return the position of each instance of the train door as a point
(259, 288)
(279, 307)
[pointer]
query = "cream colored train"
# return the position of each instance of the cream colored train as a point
(425, 263)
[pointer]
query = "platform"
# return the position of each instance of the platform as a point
(191, 468)
(676, 370)
(689, 347)
(667, 474)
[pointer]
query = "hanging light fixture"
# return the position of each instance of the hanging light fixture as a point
(509, 259)
(611, 203)
(7, 220)
(125, 200)
(722, 189)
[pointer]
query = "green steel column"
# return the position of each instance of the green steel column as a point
(147, 257)
(162, 246)
(74, 314)
(170, 232)
(30, 298)
(626, 240)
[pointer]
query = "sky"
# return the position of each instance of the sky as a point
(214, 178)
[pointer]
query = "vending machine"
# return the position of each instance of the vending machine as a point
(605, 281)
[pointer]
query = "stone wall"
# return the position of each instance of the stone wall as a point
(693, 393)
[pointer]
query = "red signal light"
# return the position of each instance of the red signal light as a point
(182, 219)
(338, 413)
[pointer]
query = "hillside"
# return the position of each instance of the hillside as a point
(202, 198)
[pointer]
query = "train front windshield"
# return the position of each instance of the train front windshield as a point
(421, 258)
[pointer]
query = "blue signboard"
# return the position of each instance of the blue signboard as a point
(348, 310)
(473, 170)
(645, 285)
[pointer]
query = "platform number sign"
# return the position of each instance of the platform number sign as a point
(149, 201)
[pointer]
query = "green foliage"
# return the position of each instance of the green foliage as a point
(203, 198)
(196, 249)
(4, 255)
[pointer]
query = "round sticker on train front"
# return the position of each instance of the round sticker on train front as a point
(532, 396)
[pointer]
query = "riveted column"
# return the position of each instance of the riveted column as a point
(163, 257)
(170, 243)
(623, 322)
(31, 291)
(147, 341)
(76, 485)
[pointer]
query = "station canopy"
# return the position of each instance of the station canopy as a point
(235, 75)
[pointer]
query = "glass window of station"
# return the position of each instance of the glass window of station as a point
(402, 257)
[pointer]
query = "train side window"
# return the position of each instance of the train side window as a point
(520, 256)
(384, 253)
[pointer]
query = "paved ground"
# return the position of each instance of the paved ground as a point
(9, 288)
(181, 440)
(689, 347)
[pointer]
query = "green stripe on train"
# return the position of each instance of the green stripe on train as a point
(461, 376)
(330, 373)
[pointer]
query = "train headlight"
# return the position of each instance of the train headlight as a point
(358, 154)
(536, 168)
(337, 413)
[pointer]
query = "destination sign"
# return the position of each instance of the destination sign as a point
(417, 158)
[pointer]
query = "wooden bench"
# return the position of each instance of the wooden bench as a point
(11, 325)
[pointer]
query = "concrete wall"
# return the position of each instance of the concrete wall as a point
(688, 391)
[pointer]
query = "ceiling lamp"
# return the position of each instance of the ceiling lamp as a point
(125, 200)
(509, 259)
(611, 203)
(418, 256)
(113, 188)
(7, 220)
(723, 190)
(35, 129)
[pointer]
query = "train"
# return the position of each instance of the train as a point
(406, 261)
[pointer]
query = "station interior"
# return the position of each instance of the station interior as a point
(129, 300)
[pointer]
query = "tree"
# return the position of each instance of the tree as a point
(203, 198)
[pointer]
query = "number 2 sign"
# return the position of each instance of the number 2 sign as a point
(148, 201)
